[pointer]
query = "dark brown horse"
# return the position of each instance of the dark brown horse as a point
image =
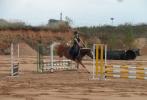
(63, 50)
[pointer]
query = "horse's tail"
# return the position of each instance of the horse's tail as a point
(60, 49)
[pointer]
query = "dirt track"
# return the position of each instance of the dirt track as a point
(66, 85)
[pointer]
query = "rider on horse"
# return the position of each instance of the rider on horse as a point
(76, 52)
(77, 44)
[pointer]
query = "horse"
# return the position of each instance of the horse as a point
(63, 50)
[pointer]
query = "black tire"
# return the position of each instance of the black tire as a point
(130, 55)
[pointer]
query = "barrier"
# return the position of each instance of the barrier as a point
(99, 60)
(102, 71)
(52, 65)
(58, 65)
(14, 61)
(126, 71)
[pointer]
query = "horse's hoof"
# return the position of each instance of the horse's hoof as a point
(78, 71)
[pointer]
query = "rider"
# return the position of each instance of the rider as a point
(77, 44)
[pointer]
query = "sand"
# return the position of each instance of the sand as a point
(66, 85)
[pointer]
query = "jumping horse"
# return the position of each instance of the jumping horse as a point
(63, 50)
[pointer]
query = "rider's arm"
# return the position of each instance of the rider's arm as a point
(77, 41)
(82, 42)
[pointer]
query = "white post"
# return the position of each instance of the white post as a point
(18, 54)
(18, 51)
(105, 61)
(12, 59)
(93, 61)
(105, 55)
(52, 54)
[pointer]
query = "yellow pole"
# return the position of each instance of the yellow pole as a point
(101, 60)
(97, 60)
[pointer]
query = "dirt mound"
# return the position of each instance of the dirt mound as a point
(144, 49)
(26, 50)
(31, 37)
(141, 43)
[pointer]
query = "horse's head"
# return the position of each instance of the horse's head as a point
(90, 54)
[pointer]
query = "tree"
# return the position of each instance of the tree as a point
(129, 38)
(112, 41)
(69, 20)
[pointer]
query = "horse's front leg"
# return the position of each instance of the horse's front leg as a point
(83, 66)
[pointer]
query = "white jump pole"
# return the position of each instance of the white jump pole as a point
(18, 51)
(105, 63)
(105, 55)
(93, 61)
(52, 53)
(12, 59)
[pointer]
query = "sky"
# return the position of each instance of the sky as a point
(82, 12)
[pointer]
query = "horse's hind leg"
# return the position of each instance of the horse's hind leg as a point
(77, 64)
